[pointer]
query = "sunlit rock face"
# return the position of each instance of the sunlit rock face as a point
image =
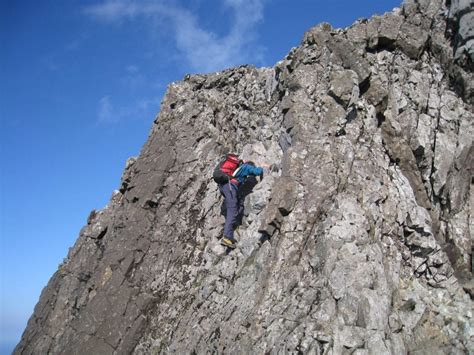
(358, 239)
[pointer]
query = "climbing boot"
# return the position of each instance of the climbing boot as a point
(229, 242)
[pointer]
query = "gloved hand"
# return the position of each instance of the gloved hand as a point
(261, 176)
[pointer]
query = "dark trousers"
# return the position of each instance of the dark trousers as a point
(233, 208)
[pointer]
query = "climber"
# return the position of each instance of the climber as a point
(231, 174)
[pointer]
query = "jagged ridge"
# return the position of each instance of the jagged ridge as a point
(357, 241)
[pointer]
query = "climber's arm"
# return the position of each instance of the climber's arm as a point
(254, 170)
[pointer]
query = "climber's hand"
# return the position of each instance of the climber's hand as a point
(261, 176)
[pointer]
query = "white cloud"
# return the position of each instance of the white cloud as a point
(114, 10)
(133, 79)
(203, 50)
(109, 113)
(105, 113)
(132, 69)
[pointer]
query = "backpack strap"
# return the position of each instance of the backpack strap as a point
(236, 171)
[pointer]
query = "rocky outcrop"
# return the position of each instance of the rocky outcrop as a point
(358, 240)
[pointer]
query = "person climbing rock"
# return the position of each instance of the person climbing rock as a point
(231, 174)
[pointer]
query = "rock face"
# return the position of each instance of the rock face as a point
(358, 240)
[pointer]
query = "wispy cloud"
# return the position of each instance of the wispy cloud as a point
(109, 113)
(105, 111)
(203, 50)
(117, 10)
(56, 59)
(132, 69)
(133, 79)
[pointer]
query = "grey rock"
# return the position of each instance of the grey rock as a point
(358, 239)
(461, 19)
(344, 87)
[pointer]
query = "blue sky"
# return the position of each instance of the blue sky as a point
(81, 82)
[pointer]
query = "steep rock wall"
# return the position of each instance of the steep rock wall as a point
(358, 240)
